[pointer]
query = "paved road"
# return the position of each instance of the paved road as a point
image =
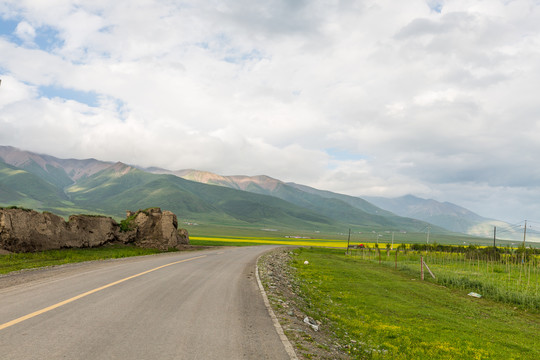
(196, 305)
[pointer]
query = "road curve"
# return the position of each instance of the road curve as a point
(191, 305)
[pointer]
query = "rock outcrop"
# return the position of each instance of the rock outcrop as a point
(154, 229)
(23, 230)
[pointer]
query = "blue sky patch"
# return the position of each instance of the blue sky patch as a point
(47, 38)
(343, 155)
(7, 30)
(202, 45)
(7, 27)
(435, 5)
(240, 58)
(89, 98)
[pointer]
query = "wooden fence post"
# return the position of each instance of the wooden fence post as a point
(422, 267)
(422, 264)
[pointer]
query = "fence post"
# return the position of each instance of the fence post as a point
(428, 269)
(422, 267)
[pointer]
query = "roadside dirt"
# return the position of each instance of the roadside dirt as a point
(278, 280)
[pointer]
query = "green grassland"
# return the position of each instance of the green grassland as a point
(510, 277)
(389, 314)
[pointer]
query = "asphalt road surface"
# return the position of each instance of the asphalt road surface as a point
(190, 305)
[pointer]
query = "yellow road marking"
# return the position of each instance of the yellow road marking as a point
(57, 305)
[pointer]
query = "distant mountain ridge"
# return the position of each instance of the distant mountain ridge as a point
(444, 214)
(450, 216)
(70, 168)
(42, 183)
(338, 207)
(68, 186)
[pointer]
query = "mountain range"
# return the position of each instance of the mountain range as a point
(445, 215)
(69, 186)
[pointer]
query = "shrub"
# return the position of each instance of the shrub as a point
(128, 224)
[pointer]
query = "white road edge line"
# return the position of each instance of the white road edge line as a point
(286, 343)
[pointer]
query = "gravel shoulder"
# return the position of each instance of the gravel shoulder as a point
(312, 339)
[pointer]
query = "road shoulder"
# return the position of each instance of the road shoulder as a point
(277, 278)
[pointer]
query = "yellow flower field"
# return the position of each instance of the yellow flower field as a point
(212, 240)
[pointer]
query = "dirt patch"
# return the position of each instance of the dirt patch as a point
(278, 280)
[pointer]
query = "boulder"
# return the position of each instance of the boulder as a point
(157, 229)
(184, 236)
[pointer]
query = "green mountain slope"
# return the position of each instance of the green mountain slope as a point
(22, 188)
(122, 187)
(340, 208)
(54, 175)
(354, 201)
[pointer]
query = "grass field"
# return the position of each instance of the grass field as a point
(384, 313)
(19, 261)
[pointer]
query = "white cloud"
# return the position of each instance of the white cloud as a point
(25, 32)
(431, 96)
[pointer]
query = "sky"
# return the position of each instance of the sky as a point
(439, 99)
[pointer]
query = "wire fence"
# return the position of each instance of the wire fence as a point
(503, 274)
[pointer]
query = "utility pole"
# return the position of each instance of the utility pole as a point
(392, 241)
(427, 240)
(494, 234)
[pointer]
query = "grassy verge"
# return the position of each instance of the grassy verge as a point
(19, 261)
(507, 279)
(383, 313)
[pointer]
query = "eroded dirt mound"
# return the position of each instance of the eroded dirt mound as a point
(23, 230)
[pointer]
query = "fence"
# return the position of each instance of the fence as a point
(507, 275)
